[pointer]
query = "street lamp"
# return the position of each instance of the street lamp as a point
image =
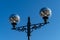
(14, 19)
(45, 13)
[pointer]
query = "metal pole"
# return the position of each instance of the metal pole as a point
(28, 28)
(28, 37)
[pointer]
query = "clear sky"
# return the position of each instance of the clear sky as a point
(25, 8)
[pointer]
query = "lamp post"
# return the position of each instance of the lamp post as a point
(14, 19)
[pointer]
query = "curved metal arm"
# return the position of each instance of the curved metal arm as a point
(21, 29)
(33, 27)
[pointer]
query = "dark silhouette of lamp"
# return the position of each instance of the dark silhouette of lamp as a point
(14, 19)
(45, 13)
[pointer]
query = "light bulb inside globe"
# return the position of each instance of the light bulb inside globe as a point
(14, 18)
(45, 12)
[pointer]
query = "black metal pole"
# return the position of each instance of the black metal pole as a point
(28, 37)
(28, 28)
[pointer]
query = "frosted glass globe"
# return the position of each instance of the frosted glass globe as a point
(14, 18)
(45, 12)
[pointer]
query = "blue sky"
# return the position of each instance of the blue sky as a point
(25, 8)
